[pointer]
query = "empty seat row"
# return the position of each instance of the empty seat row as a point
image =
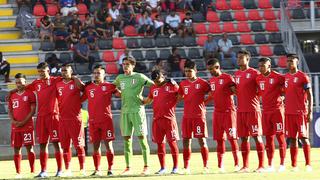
(246, 4)
(253, 15)
(52, 9)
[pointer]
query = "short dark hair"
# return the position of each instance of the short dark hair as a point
(173, 49)
(99, 66)
(212, 61)
(155, 74)
(158, 60)
(190, 64)
(66, 65)
(244, 52)
(131, 59)
(42, 65)
(265, 59)
(20, 75)
(292, 55)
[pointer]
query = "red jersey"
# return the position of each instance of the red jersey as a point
(20, 106)
(247, 90)
(193, 94)
(221, 92)
(295, 92)
(99, 101)
(270, 89)
(69, 100)
(46, 95)
(164, 100)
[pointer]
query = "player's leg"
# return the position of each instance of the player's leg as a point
(218, 136)
(172, 135)
(235, 151)
(282, 147)
(245, 151)
(269, 133)
(65, 141)
(17, 157)
(31, 157)
(186, 153)
(243, 133)
(270, 148)
(77, 135)
(96, 156)
(306, 151)
(260, 152)
(110, 156)
(291, 132)
(126, 128)
(158, 135)
(143, 141)
(221, 149)
(278, 127)
(204, 151)
(42, 136)
(54, 138)
(175, 155)
(294, 151)
(232, 135)
(59, 156)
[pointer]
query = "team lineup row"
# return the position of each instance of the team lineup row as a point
(286, 101)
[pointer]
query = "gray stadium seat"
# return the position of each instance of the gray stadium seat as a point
(234, 39)
(236, 49)
(190, 41)
(162, 42)
(257, 27)
(194, 54)
(298, 13)
(252, 50)
(3, 95)
(164, 53)
(279, 50)
(65, 57)
(81, 68)
(226, 64)
(201, 65)
(316, 13)
(260, 39)
(254, 62)
(96, 56)
(198, 17)
(182, 53)
(104, 44)
(151, 55)
(226, 16)
(47, 46)
(133, 43)
(137, 54)
(250, 4)
(3, 109)
(176, 41)
(275, 38)
(147, 43)
(276, 3)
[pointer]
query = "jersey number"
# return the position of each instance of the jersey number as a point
(286, 84)
(92, 94)
(27, 137)
(238, 80)
(155, 93)
(186, 91)
(109, 133)
(60, 91)
(262, 86)
(15, 104)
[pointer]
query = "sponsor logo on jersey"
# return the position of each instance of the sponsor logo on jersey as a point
(71, 87)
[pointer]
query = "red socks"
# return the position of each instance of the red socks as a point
(67, 154)
(81, 157)
(110, 156)
(235, 150)
(162, 154)
(186, 157)
(175, 152)
(31, 158)
(96, 160)
(270, 148)
(294, 155)
(306, 151)
(245, 150)
(205, 155)
(43, 161)
(17, 162)
(282, 147)
(59, 157)
(260, 152)
(221, 149)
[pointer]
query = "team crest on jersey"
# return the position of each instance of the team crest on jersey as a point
(71, 87)
(25, 98)
(248, 75)
(221, 81)
(198, 86)
(103, 88)
(133, 81)
(295, 79)
(167, 88)
(271, 81)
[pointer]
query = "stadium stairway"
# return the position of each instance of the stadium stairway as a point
(19, 52)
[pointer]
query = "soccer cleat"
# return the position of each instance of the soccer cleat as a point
(175, 171)
(59, 174)
(186, 171)
(18, 176)
(67, 173)
(308, 168)
(42, 174)
(205, 170)
(82, 172)
(244, 170)
(161, 171)
(110, 173)
(294, 169)
(282, 168)
(270, 169)
(259, 170)
(96, 173)
(236, 168)
(221, 170)
(126, 172)
(145, 171)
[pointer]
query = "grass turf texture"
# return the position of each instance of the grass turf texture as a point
(7, 170)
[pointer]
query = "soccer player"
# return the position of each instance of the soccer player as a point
(298, 110)
(248, 112)
(133, 117)
(69, 101)
(47, 124)
(164, 126)
(224, 124)
(99, 94)
(270, 86)
(193, 91)
(21, 108)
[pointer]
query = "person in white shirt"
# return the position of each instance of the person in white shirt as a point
(153, 5)
(173, 22)
(225, 46)
(158, 25)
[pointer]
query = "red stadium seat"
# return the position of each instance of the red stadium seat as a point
(38, 23)
(228, 27)
(130, 31)
(254, 15)
(268, 14)
(236, 5)
(265, 50)
(222, 5)
(82, 8)
(182, 15)
(214, 28)
(52, 9)
(243, 27)
(38, 10)
(240, 16)
(272, 26)
(282, 61)
(112, 68)
(118, 43)
(212, 16)
(246, 39)
(108, 56)
(120, 52)
(200, 28)
(201, 40)
(264, 4)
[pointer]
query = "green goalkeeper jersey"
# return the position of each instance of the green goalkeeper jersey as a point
(131, 87)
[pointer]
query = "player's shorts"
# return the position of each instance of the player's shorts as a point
(164, 130)
(71, 130)
(47, 126)
(101, 131)
(135, 123)
(296, 126)
(224, 125)
(194, 128)
(19, 138)
(273, 122)
(249, 124)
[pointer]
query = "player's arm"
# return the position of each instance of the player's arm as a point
(78, 82)
(27, 118)
(310, 104)
(208, 98)
(10, 114)
(147, 100)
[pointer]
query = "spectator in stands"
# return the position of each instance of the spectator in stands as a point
(187, 24)
(153, 5)
(4, 68)
(174, 63)
(146, 24)
(225, 46)
(158, 25)
(46, 28)
(59, 27)
(202, 6)
(100, 16)
(128, 16)
(187, 4)
(74, 38)
(106, 29)
(91, 36)
(173, 23)
(211, 48)
(54, 64)
(67, 7)
(139, 6)
(75, 23)
(88, 22)
(115, 15)
(124, 55)
(82, 52)
(167, 5)
(25, 5)
(160, 66)
(43, 2)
